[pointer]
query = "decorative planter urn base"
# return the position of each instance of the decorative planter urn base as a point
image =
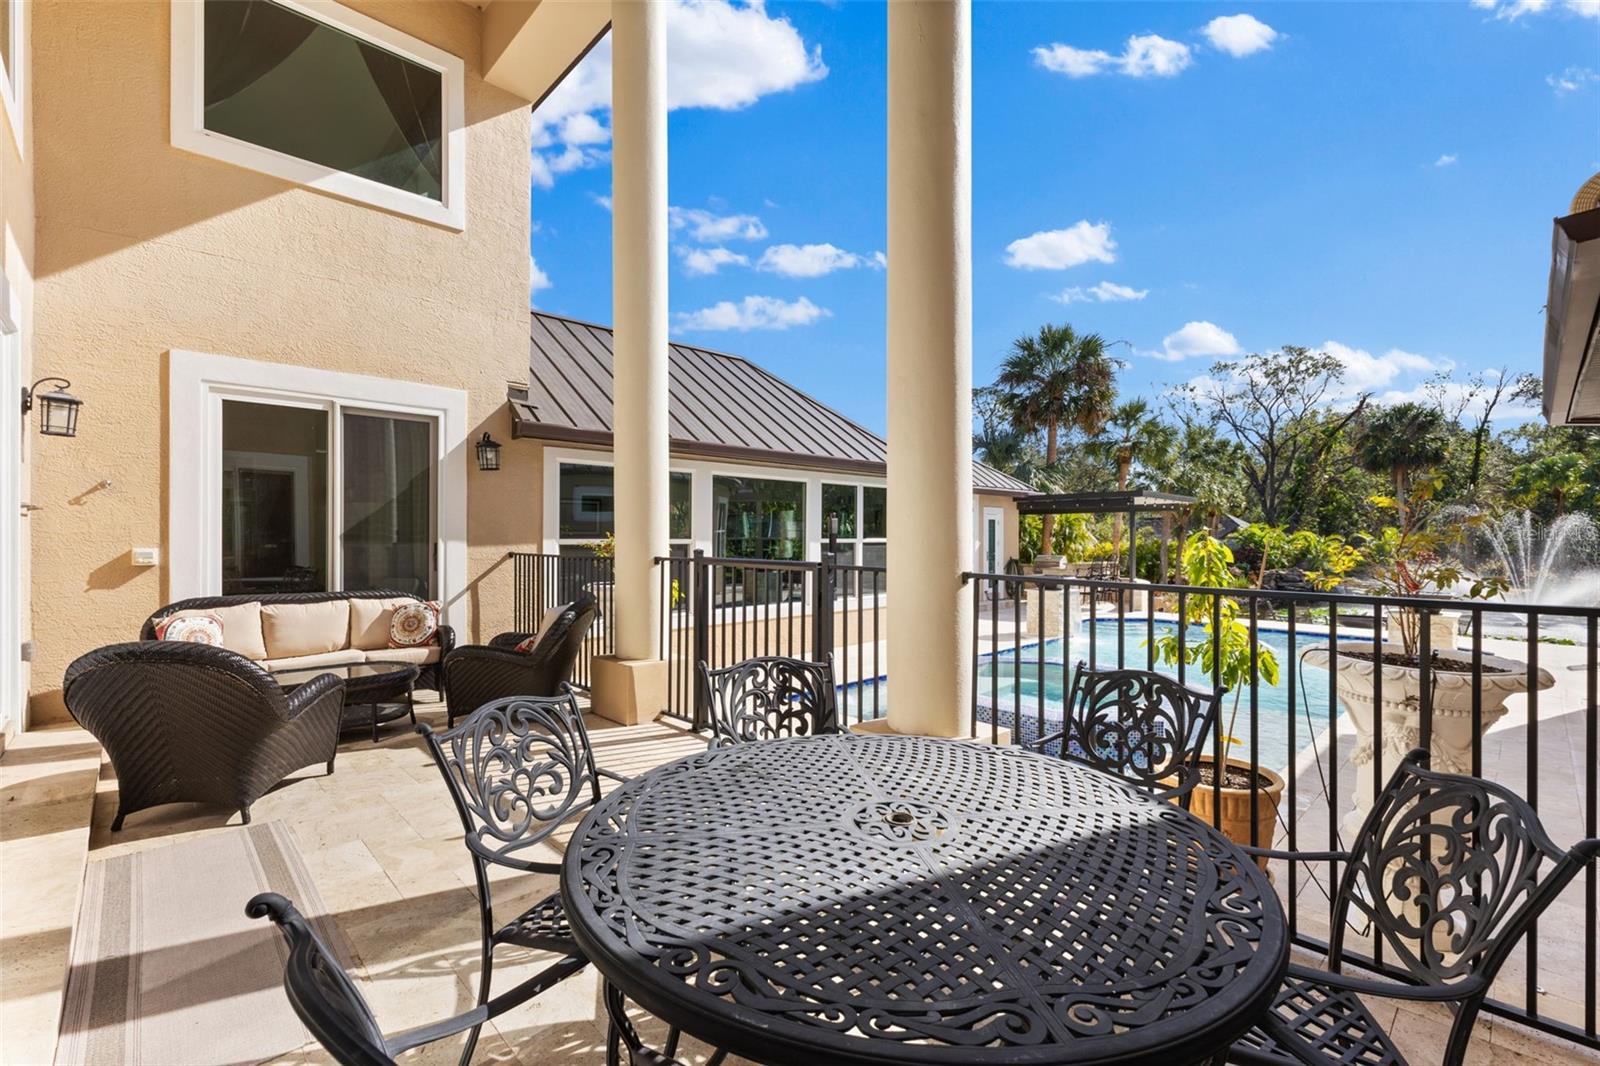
(1398, 728)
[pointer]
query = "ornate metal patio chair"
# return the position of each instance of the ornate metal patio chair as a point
(518, 769)
(768, 698)
(476, 674)
(1446, 869)
(1139, 725)
(195, 723)
(331, 1006)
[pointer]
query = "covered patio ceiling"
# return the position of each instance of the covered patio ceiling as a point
(1133, 501)
(1572, 322)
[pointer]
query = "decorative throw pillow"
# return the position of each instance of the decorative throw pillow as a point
(527, 644)
(414, 624)
(192, 629)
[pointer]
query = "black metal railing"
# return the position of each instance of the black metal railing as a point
(1030, 632)
(542, 581)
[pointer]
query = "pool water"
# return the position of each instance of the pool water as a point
(1010, 686)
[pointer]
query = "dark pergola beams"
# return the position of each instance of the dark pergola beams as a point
(1132, 503)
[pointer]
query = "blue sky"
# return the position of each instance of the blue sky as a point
(1373, 179)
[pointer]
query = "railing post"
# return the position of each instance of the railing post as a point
(822, 611)
(701, 592)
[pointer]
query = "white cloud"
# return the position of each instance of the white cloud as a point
(1104, 292)
(1446, 160)
(1586, 8)
(698, 262)
(1240, 35)
(753, 312)
(1571, 80)
(1511, 10)
(1197, 339)
(537, 279)
(1144, 56)
(1058, 249)
(721, 55)
(812, 260)
(1365, 372)
(602, 201)
(708, 228)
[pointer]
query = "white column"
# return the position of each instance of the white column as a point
(930, 365)
(639, 310)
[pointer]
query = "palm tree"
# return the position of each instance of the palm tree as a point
(1057, 380)
(1130, 433)
(1400, 441)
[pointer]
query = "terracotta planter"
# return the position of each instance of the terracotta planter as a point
(1401, 692)
(1235, 807)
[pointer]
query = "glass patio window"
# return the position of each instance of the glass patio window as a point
(840, 501)
(586, 514)
(283, 81)
(274, 498)
(388, 503)
(758, 518)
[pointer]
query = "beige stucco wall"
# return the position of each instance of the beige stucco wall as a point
(17, 234)
(144, 249)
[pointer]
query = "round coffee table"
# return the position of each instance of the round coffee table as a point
(879, 899)
(373, 690)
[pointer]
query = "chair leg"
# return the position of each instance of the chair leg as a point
(330, 766)
(244, 814)
(613, 1045)
(671, 1049)
(116, 823)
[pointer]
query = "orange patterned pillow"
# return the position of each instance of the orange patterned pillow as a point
(414, 624)
(192, 629)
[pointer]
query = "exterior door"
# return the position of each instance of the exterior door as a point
(993, 540)
(13, 428)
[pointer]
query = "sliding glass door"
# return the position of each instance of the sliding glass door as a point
(317, 497)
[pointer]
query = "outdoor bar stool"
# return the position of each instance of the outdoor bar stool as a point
(1139, 725)
(1446, 869)
(769, 698)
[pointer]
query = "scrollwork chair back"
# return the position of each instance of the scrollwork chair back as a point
(1139, 725)
(769, 698)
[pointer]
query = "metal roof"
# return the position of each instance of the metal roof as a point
(718, 405)
(1101, 502)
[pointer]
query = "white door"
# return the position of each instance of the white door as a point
(12, 430)
(994, 540)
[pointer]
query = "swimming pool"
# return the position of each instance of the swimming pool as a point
(1012, 683)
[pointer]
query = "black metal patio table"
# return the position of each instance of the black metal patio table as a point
(866, 899)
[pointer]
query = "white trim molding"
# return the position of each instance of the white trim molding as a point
(14, 83)
(198, 382)
(190, 134)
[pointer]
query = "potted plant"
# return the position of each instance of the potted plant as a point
(1410, 559)
(1225, 652)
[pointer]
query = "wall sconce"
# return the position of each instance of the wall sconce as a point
(58, 408)
(488, 453)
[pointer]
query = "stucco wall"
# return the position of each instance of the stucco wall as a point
(144, 248)
(17, 233)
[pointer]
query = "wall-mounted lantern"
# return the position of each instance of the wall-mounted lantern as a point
(488, 453)
(58, 408)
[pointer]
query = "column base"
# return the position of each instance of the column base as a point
(881, 727)
(628, 691)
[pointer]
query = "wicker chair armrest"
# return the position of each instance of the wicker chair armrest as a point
(489, 652)
(446, 636)
(324, 688)
(508, 641)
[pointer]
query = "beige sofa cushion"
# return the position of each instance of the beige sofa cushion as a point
(329, 659)
(304, 628)
(421, 655)
(241, 627)
(369, 621)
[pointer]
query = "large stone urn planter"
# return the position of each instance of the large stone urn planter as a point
(1401, 693)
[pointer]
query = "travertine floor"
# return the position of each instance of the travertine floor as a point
(383, 843)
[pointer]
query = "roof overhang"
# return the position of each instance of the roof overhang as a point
(1101, 502)
(530, 45)
(1572, 322)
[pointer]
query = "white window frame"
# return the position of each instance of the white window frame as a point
(198, 384)
(14, 85)
(553, 540)
(13, 435)
(188, 115)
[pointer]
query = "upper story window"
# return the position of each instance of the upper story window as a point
(312, 92)
(13, 57)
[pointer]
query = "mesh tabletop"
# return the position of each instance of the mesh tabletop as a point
(858, 899)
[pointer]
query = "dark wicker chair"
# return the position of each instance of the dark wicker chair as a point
(331, 1006)
(1139, 725)
(476, 674)
(194, 723)
(1446, 870)
(432, 675)
(768, 698)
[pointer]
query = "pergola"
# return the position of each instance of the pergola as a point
(1131, 503)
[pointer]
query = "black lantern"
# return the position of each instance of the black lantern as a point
(58, 408)
(488, 453)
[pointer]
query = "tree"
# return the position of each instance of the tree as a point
(998, 442)
(1058, 379)
(1270, 404)
(1402, 440)
(1561, 477)
(1131, 433)
(1482, 394)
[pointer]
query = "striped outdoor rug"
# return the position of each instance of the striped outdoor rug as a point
(165, 967)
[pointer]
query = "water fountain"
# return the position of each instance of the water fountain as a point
(1545, 562)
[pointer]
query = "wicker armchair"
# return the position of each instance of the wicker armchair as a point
(476, 674)
(194, 723)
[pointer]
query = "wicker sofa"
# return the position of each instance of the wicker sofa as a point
(301, 630)
(476, 674)
(195, 723)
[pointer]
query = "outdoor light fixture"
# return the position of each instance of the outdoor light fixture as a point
(488, 453)
(58, 408)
